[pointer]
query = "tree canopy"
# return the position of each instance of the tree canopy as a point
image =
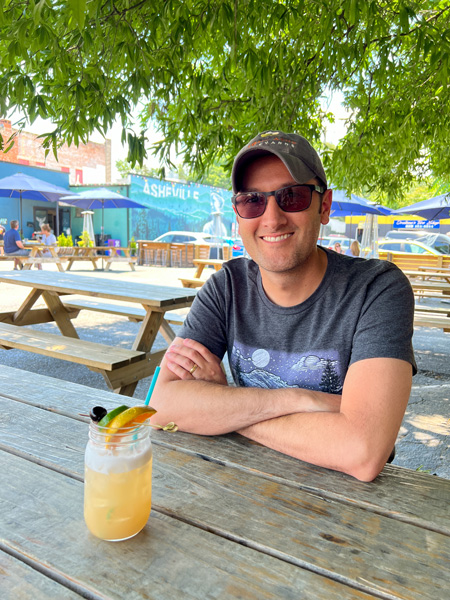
(212, 73)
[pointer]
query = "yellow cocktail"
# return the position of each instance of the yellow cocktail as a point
(118, 481)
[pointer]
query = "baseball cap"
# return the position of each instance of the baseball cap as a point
(297, 154)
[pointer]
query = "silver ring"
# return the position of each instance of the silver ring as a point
(191, 371)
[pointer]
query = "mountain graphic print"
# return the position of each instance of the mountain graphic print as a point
(257, 367)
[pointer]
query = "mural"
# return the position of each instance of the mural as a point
(176, 207)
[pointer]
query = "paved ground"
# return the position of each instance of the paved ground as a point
(423, 438)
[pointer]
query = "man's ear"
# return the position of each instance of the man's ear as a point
(326, 207)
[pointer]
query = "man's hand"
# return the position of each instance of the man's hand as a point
(188, 359)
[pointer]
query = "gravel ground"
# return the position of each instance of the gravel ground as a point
(423, 439)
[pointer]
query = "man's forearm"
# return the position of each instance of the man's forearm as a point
(326, 439)
(211, 409)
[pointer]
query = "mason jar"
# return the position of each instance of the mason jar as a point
(117, 481)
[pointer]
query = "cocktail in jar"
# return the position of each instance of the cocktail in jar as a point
(118, 473)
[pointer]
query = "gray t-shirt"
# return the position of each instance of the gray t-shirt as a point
(362, 309)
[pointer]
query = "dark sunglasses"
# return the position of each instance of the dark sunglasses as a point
(293, 198)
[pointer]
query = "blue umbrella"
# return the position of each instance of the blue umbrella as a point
(431, 209)
(343, 206)
(21, 186)
(101, 198)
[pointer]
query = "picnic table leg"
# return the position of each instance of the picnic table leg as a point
(29, 301)
(60, 314)
(125, 379)
(143, 342)
(199, 271)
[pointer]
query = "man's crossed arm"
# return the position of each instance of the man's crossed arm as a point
(353, 433)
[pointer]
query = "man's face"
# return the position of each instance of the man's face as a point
(279, 241)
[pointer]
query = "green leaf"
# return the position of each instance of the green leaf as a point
(78, 10)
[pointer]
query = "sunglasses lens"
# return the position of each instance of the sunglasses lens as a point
(294, 199)
(251, 205)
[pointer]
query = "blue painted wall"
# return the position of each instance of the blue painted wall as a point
(175, 207)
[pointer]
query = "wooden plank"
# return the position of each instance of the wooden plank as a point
(191, 283)
(168, 559)
(428, 509)
(18, 580)
(123, 309)
(101, 287)
(397, 559)
(34, 316)
(65, 348)
(27, 304)
(60, 314)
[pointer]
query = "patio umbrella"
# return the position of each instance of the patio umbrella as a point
(343, 206)
(432, 209)
(101, 198)
(24, 186)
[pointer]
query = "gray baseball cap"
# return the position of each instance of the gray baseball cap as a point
(297, 154)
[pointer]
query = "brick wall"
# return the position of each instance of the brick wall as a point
(27, 149)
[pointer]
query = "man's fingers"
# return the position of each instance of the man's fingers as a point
(179, 371)
(201, 349)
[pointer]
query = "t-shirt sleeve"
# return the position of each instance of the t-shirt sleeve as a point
(206, 322)
(386, 323)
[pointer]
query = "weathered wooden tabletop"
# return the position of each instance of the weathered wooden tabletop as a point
(230, 518)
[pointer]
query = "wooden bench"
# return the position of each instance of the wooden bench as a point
(432, 309)
(195, 282)
(90, 354)
(133, 313)
(414, 262)
(424, 319)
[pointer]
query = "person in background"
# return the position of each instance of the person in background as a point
(48, 239)
(2, 232)
(354, 249)
(337, 248)
(13, 245)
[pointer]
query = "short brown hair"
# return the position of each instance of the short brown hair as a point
(46, 227)
(14, 223)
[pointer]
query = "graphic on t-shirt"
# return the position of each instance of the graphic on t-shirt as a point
(257, 367)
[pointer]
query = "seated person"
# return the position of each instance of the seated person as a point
(48, 239)
(353, 250)
(2, 232)
(319, 346)
(13, 245)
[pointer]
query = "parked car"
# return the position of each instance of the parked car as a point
(406, 247)
(329, 242)
(438, 241)
(184, 237)
(404, 234)
(197, 237)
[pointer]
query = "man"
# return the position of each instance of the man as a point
(319, 343)
(13, 245)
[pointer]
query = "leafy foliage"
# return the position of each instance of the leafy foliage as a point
(212, 73)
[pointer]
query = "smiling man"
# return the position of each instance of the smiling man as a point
(319, 343)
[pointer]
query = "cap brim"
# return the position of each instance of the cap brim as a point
(299, 171)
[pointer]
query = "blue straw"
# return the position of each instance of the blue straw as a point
(152, 385)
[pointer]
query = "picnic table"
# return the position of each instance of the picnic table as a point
(39, 254)
(427, 273)
(201, 263)
(230, 518)
(121, 368)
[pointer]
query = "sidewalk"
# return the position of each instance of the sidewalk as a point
(423, 438)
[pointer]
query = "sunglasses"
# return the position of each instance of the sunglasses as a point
(293, 198)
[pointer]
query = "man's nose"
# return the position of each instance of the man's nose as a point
(273, 212)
